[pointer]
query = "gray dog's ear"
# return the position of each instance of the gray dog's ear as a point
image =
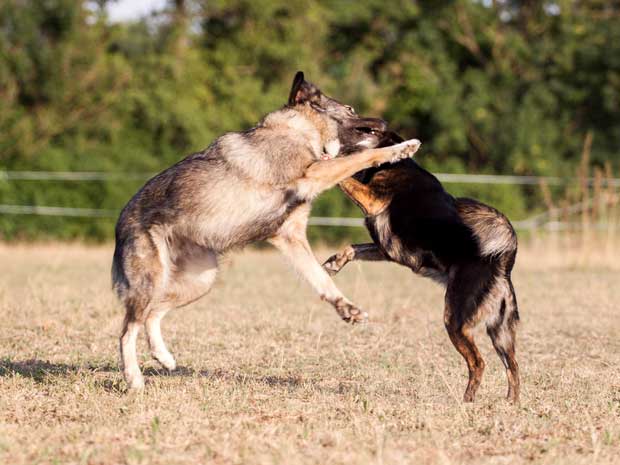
(297, 82)
(302, 91)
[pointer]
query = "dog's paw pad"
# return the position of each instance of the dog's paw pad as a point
(331, 265)
(350, 313)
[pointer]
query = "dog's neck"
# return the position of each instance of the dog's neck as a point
(321, 134)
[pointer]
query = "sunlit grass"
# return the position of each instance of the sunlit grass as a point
(270, 375)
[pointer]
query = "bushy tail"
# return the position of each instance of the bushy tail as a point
(495, 234)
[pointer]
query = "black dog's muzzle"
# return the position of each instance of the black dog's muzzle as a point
(368, 125)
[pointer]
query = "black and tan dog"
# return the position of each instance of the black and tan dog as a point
(462, 243)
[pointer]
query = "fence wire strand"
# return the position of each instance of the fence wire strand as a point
(536, 221)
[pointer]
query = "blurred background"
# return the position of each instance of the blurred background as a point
(96, 96)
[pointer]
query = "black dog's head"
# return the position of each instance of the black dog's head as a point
(389, 138)
(386, 139)
(354, 132)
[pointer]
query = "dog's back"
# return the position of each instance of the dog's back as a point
(196, 196)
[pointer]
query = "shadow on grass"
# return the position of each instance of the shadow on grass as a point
(41, 371)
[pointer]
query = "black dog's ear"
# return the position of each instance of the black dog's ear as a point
(302, 91)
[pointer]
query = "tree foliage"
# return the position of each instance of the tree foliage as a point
(501, 86)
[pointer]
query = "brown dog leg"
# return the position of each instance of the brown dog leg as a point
(501, 329)
(364, 197)
(464, 343)
(460, 335)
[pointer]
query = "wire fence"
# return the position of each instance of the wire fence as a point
(57, 211)
(535, 222)
(542, 220)
(443, 177)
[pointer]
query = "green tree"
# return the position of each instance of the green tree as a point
(503, 86)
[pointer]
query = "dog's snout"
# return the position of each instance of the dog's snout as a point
(381, 125)
(374, 124)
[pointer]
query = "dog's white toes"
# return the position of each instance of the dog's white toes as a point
(406, 149)
(166, 359)
(359, 318)
(136, 383)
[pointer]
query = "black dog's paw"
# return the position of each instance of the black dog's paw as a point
(332, 265)
(335, 263)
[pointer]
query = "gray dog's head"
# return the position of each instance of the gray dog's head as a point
(354, 132)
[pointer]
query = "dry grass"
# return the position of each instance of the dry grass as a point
(271, 376)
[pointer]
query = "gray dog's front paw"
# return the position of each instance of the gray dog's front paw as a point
(405, 149)
(349, 312)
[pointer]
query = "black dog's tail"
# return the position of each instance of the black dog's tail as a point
(496, 236)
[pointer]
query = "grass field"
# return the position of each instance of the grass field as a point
(270, 375)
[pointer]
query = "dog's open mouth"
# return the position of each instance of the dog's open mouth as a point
(369, 126)
(367, 130)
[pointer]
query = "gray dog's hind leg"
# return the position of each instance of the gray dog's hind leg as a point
(191, 279)
(137, 274)
(129, 357)
(153, 286)
(159, 351)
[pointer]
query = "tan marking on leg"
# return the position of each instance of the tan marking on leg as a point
(363, 196)
(464, 343)
(501, 328)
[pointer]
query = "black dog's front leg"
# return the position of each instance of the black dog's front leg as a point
(366, 252)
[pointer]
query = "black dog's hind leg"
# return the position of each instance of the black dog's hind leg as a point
(501, 329)
(366, 252)
(464, 295)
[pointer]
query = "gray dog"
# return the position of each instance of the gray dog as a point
(245, 187)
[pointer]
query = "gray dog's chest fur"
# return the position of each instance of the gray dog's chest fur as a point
(235, 192)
